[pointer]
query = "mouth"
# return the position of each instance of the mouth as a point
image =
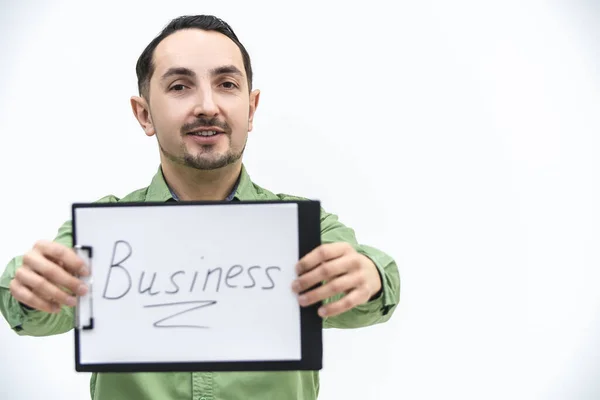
(206, 132)
(206, 136)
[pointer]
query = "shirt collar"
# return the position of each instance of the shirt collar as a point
(159, 190)
(228, 198)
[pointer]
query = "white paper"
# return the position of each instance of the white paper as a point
(244, 310)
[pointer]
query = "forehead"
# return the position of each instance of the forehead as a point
(197, 50)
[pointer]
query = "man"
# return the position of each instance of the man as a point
(196, 97)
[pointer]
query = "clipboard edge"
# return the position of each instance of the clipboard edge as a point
(311, 324)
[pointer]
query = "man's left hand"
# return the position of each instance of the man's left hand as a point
(343, 270)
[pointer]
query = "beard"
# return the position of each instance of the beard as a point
(208, 158)
(209, 161)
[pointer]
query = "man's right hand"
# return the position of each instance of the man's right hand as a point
(48, 273)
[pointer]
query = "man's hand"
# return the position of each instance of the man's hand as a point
(47, 269)
(344, 270)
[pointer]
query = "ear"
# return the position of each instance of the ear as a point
(254, 97)
(141, 111)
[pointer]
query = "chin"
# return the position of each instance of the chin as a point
(212, 162)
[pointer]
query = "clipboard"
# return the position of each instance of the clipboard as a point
(195, 286)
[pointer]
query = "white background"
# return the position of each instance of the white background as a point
(458, 136)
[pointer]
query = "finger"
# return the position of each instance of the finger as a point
(42, 288)
(324, 272)
(23, 295)
(323, 253)
(60, 253)
(354, 298)
(53, 272)
(342, 284)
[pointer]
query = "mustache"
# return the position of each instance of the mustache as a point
(203, 123)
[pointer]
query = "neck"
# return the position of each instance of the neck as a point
(191, 184)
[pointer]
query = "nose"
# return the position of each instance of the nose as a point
(206, 104)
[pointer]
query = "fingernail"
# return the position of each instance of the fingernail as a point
(322, 312)
(295, 287)
(55, 308)
(302, 300)
(81, 290)
(71, 301)
(84, 271)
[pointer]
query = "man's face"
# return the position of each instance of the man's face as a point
(199, 103)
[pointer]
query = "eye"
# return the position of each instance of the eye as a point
(229, 85)
(179, 87)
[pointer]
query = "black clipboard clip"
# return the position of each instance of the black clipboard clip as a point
(84, 311)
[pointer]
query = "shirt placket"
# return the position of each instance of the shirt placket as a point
(202, 386)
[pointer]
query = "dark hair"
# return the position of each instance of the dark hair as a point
(145, 66)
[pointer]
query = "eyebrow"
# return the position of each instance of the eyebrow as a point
(182, 71)
(179, 71)
(226, 70)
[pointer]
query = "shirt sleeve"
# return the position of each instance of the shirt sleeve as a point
(380, 308)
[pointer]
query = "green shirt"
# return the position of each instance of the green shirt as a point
(288, 385)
